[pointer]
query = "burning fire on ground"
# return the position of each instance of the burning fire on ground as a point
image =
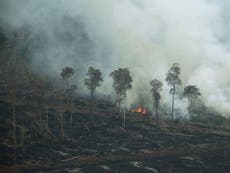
(139, 109)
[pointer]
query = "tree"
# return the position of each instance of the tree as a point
(47, 95)
(156, 88)
(71, 91)
(14, 84)
(3, 41)
(173, 80)
(61, 120)
(122, 81)
(191, 92)
(13, 94)
(94, 80)
(66, 74)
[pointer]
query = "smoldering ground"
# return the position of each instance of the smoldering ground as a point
(146, 36)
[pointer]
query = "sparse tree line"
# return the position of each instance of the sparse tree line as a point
(122, 82)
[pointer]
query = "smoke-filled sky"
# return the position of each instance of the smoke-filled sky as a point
(147, 36)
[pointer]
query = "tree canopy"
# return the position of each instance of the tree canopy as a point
(94, 79)
(173, 76)
(191, 91)
(122, 81)
(66, 73)
(156, 85)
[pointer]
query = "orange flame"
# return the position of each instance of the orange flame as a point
(141, 109)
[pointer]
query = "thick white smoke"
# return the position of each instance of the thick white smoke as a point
(145, 35)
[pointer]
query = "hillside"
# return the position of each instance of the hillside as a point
(98, 143)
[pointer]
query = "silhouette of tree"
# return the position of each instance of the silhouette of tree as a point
(66, 74)
(173, 80)
(191, 92)
(94, 80)
(122, 81)
(71, 91)
(156, 88)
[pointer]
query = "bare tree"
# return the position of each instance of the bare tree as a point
(156, 88)
(122, 81)
(94, 80)
(71, 91)
(173, 80)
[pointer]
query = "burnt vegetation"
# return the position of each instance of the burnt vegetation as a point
(47, 125)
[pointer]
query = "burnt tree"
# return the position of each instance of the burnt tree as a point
(191, 92)
(66, 74)
(173, 80)
(122, 81)
(93, 81)
(156, 87)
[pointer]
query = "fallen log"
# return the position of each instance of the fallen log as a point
(71, 158)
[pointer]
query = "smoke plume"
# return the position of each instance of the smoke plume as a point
(146, 36)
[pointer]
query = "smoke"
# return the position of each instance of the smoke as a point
(146, 36)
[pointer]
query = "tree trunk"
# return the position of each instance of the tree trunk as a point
(172, 115)
(124, 113)
(91, 94)
(120, 104)
(190, 106)
(71, 115)
(14, 121)
(117, 102)
(62, 128)
(91, 99)
(67, 83)
(156, 110)
(40, 117)
(47, 117)
(191, 101)
(124, 118)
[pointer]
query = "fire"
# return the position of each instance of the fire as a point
(139, 109)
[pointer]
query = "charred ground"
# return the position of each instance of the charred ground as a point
(98, 143)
